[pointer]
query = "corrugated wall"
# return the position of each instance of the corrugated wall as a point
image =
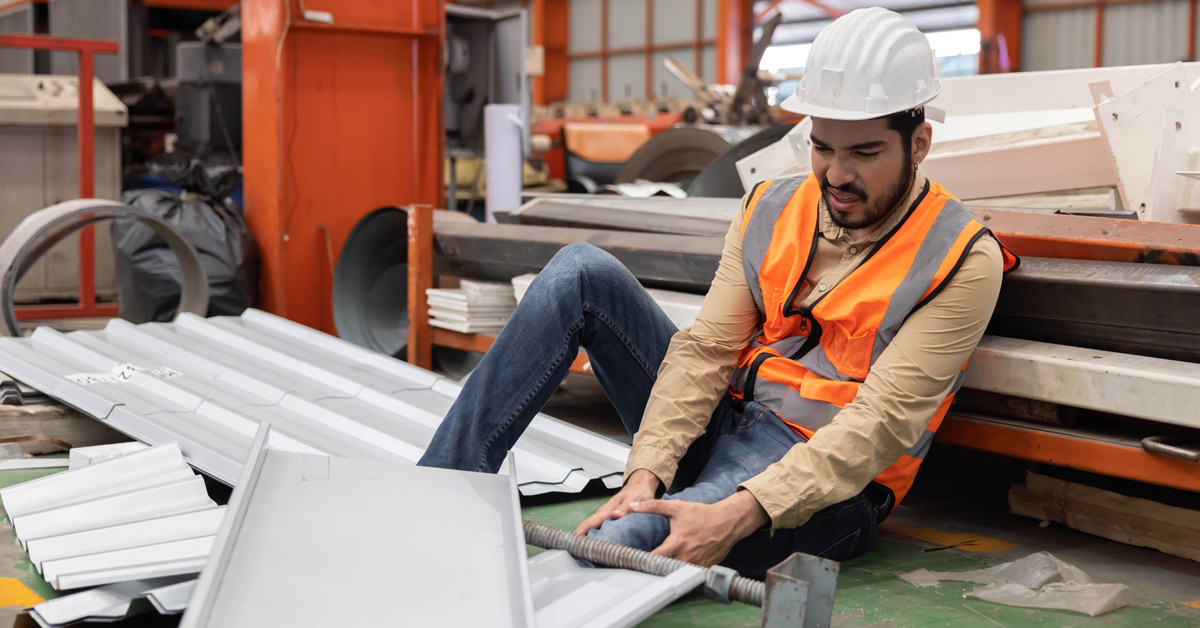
(1135, 33)
(673, 22)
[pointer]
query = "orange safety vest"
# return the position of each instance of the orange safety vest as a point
(807, 363)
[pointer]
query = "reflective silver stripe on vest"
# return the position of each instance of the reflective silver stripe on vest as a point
(787, 403)
(817, 362)
(937, 244)
(756, 239)
(921, 447)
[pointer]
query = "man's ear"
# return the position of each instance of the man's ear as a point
(922, 139)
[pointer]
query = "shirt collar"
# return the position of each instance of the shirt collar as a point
(831, 231)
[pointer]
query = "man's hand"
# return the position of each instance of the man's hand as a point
(703, 534)
(642, 486)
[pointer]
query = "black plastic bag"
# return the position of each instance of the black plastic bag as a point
(147, 272)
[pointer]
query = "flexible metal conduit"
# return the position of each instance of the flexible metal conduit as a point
(607, 554)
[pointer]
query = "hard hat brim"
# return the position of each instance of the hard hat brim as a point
(794, 104)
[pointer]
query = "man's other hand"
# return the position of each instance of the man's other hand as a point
(642, 486)
(703, 534)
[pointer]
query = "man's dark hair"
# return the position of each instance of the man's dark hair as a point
(905, 123)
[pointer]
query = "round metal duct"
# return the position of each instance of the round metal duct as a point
(720, 178)
(678, 155)
(370, 283)
(41, 230)
(370, 290)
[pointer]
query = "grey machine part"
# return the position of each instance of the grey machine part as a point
(678, 155)
(343, 536)
(43, 229)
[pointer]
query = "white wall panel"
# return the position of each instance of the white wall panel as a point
(626, 77)
(1151, 32)
(674, 21)
(583, 80)
(1058, 40)
(710, 19)
(709, 57)
(626, 23)
(583, 26)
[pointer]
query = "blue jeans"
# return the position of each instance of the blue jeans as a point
(585, 297)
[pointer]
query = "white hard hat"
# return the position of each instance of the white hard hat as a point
(868, 63)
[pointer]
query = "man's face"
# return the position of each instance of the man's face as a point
(864, 167)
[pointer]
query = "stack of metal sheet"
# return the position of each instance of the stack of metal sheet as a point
(208, 383)
(475, 307)
(140, 525)
(14, 393)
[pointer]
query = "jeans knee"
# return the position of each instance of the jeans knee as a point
(577, 264)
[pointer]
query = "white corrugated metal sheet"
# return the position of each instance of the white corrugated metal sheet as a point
(208, 383)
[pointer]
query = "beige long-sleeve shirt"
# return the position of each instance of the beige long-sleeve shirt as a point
(894, 404)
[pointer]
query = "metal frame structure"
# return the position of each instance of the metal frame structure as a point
(85, 49)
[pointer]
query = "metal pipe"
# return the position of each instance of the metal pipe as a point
(745, 590)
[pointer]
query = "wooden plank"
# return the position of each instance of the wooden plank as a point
(1129, 520)
(54, 421)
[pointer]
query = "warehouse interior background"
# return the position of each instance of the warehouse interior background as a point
(238, 237)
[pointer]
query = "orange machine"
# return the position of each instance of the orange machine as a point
(342, 110)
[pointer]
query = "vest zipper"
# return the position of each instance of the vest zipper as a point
(748, 393)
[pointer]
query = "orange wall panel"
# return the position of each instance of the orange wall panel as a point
(339, 120)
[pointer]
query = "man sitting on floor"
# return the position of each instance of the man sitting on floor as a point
(793, 415)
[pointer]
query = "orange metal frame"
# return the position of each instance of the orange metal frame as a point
(86, 49)
(340, 119)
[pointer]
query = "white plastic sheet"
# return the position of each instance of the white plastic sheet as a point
(1037, 581)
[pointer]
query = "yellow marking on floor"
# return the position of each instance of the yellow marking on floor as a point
(1195, 604)
(977, 543)
(13, 592)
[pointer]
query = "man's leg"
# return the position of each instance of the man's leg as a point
(584, 296)
(750, 442)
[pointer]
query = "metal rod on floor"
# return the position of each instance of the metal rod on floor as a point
(607, 554)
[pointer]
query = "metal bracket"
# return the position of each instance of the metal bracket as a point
(800, 592)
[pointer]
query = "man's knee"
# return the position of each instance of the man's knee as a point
(579, 264)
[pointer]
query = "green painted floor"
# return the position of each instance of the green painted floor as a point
(869, 592)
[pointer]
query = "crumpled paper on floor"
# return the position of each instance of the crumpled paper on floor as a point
(1037, 581)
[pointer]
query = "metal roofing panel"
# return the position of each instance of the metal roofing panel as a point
(124, 536)
(208, 384)
(173, 598)
(147, 467)
(178, 557)
(566, 595)
(107, 603)
(296, 519)
(146, 503)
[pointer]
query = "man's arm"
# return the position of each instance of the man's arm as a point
(895, 403)
(698, 367)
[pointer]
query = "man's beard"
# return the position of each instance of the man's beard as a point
(876, 209)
